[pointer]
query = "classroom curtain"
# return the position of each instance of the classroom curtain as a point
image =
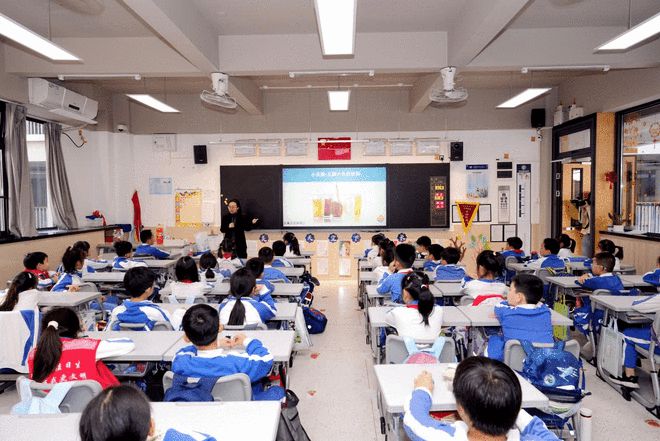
(64, 215)
(19, 191)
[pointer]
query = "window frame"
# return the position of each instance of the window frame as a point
(4, 198)
(43, 123)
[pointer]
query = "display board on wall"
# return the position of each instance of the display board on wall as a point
(524, 208)
(188, 208)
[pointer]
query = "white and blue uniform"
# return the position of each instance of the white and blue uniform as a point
(431, 265)
(152, 311)
(151, 250)
(449, 271)
(583, 316)
(189, 291)
(640, 335)
(271, 273)
(381, 272)
(257, 310)
(392, 284)
(420, 426)
(522, 322)
(66, 280)
(550, 261)
(218, 275)
(652, 277)
(281, 262)
(124, 264)
(480, 287)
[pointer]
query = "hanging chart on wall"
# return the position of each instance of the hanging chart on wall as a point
(503, 204)
(477, 181)
(524, 209)
(188, 208)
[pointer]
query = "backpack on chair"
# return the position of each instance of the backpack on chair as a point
(423, 356)
(182, 390)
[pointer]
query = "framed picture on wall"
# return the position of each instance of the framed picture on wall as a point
(485, 213)
(500, 232)
(455, 217)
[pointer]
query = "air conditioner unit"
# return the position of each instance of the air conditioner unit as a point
(62, 101)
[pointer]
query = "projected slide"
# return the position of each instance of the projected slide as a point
(334, 196)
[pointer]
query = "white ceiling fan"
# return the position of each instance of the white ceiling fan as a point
(449, 93)
(219, 97)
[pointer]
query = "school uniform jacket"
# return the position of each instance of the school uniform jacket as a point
(408, 322)
(449, 272)
(523, 322)
(420, 426)
(151, 310)
(189, 290)
(151, 250)
(218, 275)
(66, 280)
(606, 281)
(392, 284)
(271, 273)
(476, 287)
(381, 272)
(549, 261)
(256, 311)
(652, 277)
(281, 262)
(431, 265)
(124, 263)
(519, 254)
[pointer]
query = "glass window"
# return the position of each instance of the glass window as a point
(36, 143)
(4, 202)
(575, 141)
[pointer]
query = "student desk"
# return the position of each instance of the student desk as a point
(221, 289)
(364, 265)
(149, 346)
(254, 420)
(396, 383)
(286, 312)
(634, 280)
(373, 297)
(484, 315)
(292, 273)
(567, 284)
(521, 267)
(67, 299)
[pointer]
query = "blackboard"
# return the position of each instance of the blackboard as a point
(258, 188)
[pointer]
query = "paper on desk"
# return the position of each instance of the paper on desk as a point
(345, 266)
(321, 267)
(322, 248)
(251, 248)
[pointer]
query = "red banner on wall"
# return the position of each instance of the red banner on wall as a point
(331, 149)
(467, 211)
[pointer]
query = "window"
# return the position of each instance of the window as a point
(36, 144)
(4, 200)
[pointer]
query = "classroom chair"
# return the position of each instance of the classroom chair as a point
(158, 326)
(483, 299)
(235, 387)
(252, 327)
(396, 351)
(175, 300)
(654, 361)
(76, 399)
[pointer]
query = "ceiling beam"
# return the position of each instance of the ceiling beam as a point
(247, 94)
(182, 26)
(481, 21)
(419, 95)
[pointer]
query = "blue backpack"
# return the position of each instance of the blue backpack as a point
(135, 315)
(182, 390)
(315, 320)
(554, 371)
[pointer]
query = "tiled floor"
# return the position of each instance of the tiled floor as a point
(336, 385)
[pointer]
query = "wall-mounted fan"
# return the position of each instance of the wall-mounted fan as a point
(219, 97)
(449, 92)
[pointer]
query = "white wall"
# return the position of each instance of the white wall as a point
(105, 172)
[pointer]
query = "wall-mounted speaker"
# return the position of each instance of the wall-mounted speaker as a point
(199, 152)
(538, 118)
(456, 151)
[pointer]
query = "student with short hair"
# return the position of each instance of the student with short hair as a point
(37, 264)
(242, 308)
(187, 285)
(653, 277)
(449, 268)
(22, 293)
(266, 256)
(279, 249)
(61, 356)
(139, 286)
(607, 246)
(264, 287)
(488, 282)
(434, 257)
(419, 319)
(147, 248)
(123, 261)
(209, 271)
(488, 401)
(522, 316)
(566, 246)
(549, 258)
(404, 258)
(209, 356)
(514, 246)
(292, 245)
(89, 265)
(71, 277)
(422, 245)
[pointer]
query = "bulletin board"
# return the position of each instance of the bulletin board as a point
(188, 208)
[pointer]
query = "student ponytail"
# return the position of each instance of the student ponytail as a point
(291, 240)
(608, 246)
(57, 323)
(208, 262)
(22, 282)
(490, 264)
(416, 284)
(241, 284)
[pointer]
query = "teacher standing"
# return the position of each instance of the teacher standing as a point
(235, 224)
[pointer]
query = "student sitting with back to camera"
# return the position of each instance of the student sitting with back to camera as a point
(404, 258)
(488, 401)
(22, 293)
(209, 271)
(566, 246)
(187, 285)
(37, 264)
(449, 268)
(422, 245)
(607, 246)
(549, 258)
(522, 316)
(266, 256)
(386, 257)
(373, 250)
(242, 308)
(488, 283)
(227, 258)
(420, 318)
(71, 277)
(61, 356)
(123, 261)
(434, 257)
(89, 265)
(147, 248)
(292, 245)
(279, 250)
(256, 267)
(139, 286)
(513, 249)
(209, 356)
(653, 277)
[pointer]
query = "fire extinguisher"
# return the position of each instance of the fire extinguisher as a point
(159, 235)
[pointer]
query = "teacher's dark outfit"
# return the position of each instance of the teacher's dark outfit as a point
(242, 223)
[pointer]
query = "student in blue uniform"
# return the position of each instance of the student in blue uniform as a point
(256, 267)
(240, 308)
(434, 258)
(71, 277)
(566, 246)
(188, 285)
(488, 401)
(422, 245)
(147, 246)
(279, 249)
(404, 258)
(123, 260)
(209, 356)
(372, 251)
(513, 248)
(488, 282)
(522, 316)
(209, 271)
(266, 256)
(449, 269)
(89, 265)
(37, 264)
(653, 277)
(549, 259)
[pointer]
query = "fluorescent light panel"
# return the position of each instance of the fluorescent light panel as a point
(336, 21)
(634, 35)
(152, 102)
(24, 36)
(339, 100)
(523, 97)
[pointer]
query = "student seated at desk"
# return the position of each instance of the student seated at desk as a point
(89, 265)
(566, 246)
(209, 271)
(488, 400)
(22, 293)
(514, 249)
(422, 245)
(227, 258)
(210, 357)
(488, 282)
(292, 245)
(139, 286)
(123, 262)
(256, 267)
(607, 246)
(375, 260)
(404, 258)
(266, 256)
(147, 248)
(653, 277)
(245, 306)
(549, 259)
(434, 258)
(279, 249)
(37, 264)
(61, 356)
(372, 251)
(188, 285)
(419, 319)
(522, 316)
(71, 277)
(448, 268)
(386, 257)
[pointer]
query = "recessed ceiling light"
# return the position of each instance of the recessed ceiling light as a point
(152, 102)
(336, 22)
(643, 31)
(339, 100)
(523, 97)
(24, 36)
